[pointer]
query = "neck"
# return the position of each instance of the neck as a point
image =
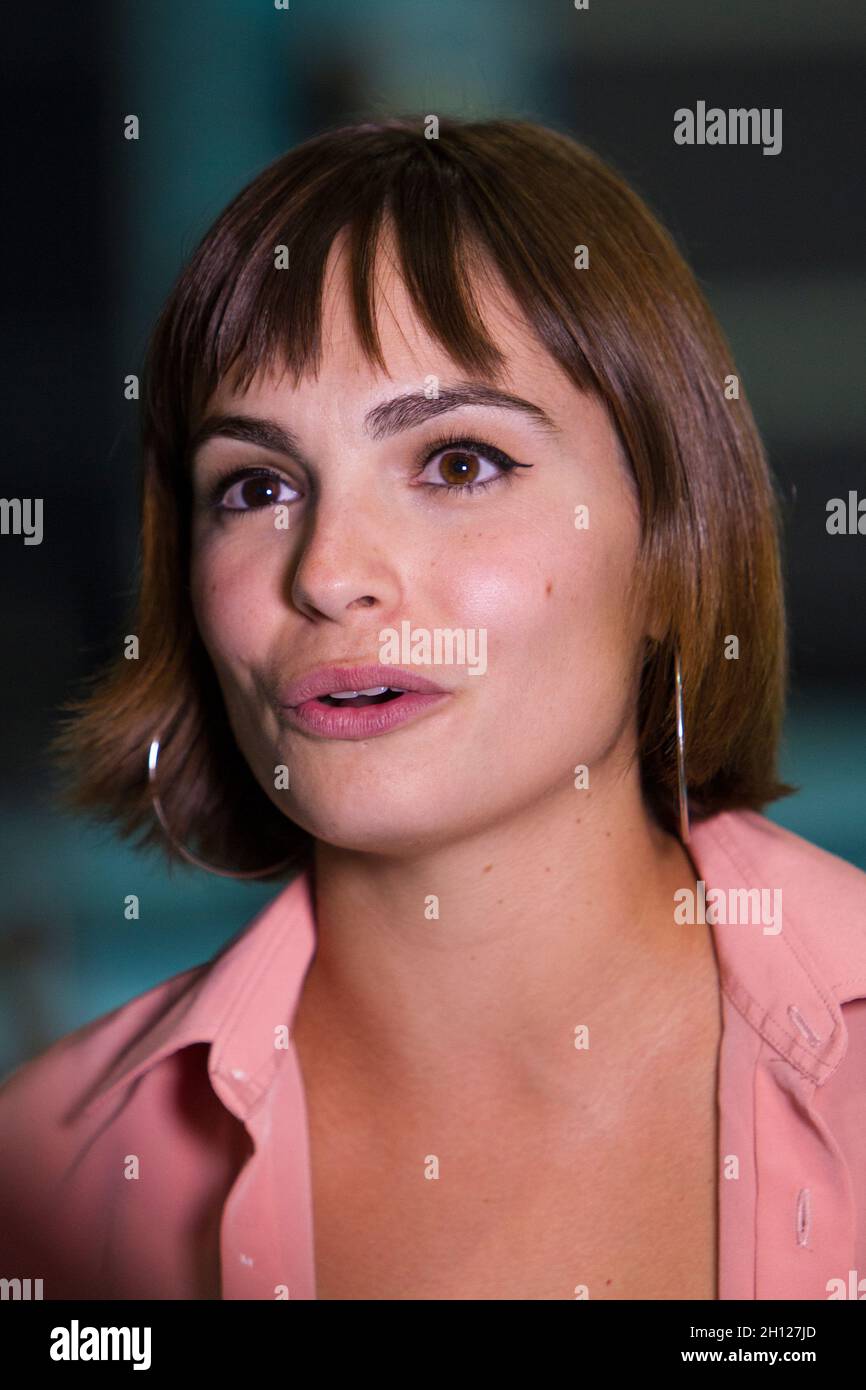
(495, 948)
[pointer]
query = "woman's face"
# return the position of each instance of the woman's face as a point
(348, 542)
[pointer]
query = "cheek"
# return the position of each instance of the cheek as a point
(553, 608)
(229, 603)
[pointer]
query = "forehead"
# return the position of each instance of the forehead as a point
(412, 353)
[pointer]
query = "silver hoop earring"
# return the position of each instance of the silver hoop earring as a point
(152, 756)
(682, 789)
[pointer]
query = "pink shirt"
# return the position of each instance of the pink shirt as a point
(161, 1151)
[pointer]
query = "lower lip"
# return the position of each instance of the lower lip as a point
(365, 721)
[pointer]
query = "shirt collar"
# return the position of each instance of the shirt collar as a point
(788, 986)
(234, 1002)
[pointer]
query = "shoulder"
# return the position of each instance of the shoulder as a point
(46, 1091)
(774, 847)
(160, 1082)
(823, 896)
(256, 964)
(63, 1173)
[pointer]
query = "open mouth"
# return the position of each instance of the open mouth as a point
(356, 699)
(322, 715)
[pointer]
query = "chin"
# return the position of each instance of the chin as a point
(377, 827)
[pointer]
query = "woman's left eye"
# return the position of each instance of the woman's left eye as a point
(468, 465)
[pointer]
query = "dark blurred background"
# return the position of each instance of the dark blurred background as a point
(98, 227)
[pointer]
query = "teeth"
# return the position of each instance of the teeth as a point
(351, 694)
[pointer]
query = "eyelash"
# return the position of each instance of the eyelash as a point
(508, 465)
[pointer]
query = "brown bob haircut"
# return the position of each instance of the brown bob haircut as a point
(632, 329)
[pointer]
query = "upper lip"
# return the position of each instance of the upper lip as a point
(324, 680)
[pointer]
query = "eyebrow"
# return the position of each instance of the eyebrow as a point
(392, 417)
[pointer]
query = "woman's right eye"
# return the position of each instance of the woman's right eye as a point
(251, 491)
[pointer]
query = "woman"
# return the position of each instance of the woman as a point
(460, 616)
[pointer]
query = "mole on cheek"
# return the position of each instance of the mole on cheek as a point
(548, 587)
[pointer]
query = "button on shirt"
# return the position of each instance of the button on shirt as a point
(162, 1151)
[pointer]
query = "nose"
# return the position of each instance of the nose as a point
(347, 561)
